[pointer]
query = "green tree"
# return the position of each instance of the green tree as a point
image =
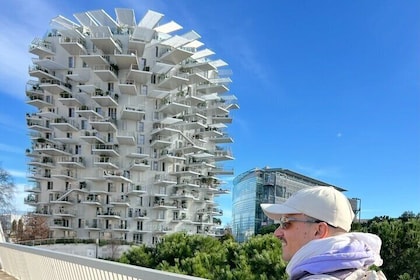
(400, 245)
(264, 256)
(140, 256)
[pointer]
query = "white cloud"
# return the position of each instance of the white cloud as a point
(20, 25)
(18, 174)
(11, 149)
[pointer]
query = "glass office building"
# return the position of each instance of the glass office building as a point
(267, 185)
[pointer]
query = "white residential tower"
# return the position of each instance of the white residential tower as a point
(129, 134)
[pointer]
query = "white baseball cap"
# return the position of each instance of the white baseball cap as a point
(323, 203)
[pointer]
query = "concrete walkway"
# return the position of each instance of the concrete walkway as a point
(5, 276)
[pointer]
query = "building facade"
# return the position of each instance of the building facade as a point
(267, 185)
(129, 132)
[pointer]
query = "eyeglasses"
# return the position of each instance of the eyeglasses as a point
(285, 222)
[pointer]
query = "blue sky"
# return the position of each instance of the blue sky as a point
(329, 89)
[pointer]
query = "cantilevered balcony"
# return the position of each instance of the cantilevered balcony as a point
(63, 212)
(92, 199)
(136, 190)
(55, 86)
(184, 194)
(52, 150)
(175, 55)
(87, 112)
(105, 149)
(68, 99)
(169, 157)
(160, 142)
(164, 180)
(102, 38)
(224, 138)
(68, 174)
(64, 124)
(105, 98)
(212, 87)
(197, 78)
(165, 132)
(95, 60)
(221, 154)
(190, 148)
(124, 61)
(32, 199)
(63, 224)
(126, 138)
(43, 162)
(221, 119)
(93, 137)
(74, 46)
(50, 63)
(38, 100)
(173, 108)
(106, 73)
(41, 48)
(139, 165)
(221, 170)
(120, 201)
(132, 113)
(41, 73)
(34, 188)
(128, 87)
(140, 76)
(159, 94)
(185, 172)
(103, 125)
(110, 214)
(199, 66)
(49, 113)
(106, 162)
(71, 162)
(172, 82)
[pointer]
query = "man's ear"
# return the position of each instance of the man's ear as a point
(322, 230)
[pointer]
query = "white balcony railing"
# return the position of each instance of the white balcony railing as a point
(32, 263)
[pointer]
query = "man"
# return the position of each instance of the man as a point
(314, 231)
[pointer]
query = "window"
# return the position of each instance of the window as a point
(112, 112)
(140, 139)
(49, 185)
(111, 86)
(71, 112)
(71, 62)
(140, 126)
(143, 89)
(138, 238)
(78, 149)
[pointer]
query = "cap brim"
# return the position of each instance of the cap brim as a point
(275, 211)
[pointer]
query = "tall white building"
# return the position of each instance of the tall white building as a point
(129, 134)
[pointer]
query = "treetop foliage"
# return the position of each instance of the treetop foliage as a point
(260, 256)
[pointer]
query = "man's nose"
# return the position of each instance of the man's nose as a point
(279, 232)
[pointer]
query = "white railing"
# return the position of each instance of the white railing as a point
(32, 263)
